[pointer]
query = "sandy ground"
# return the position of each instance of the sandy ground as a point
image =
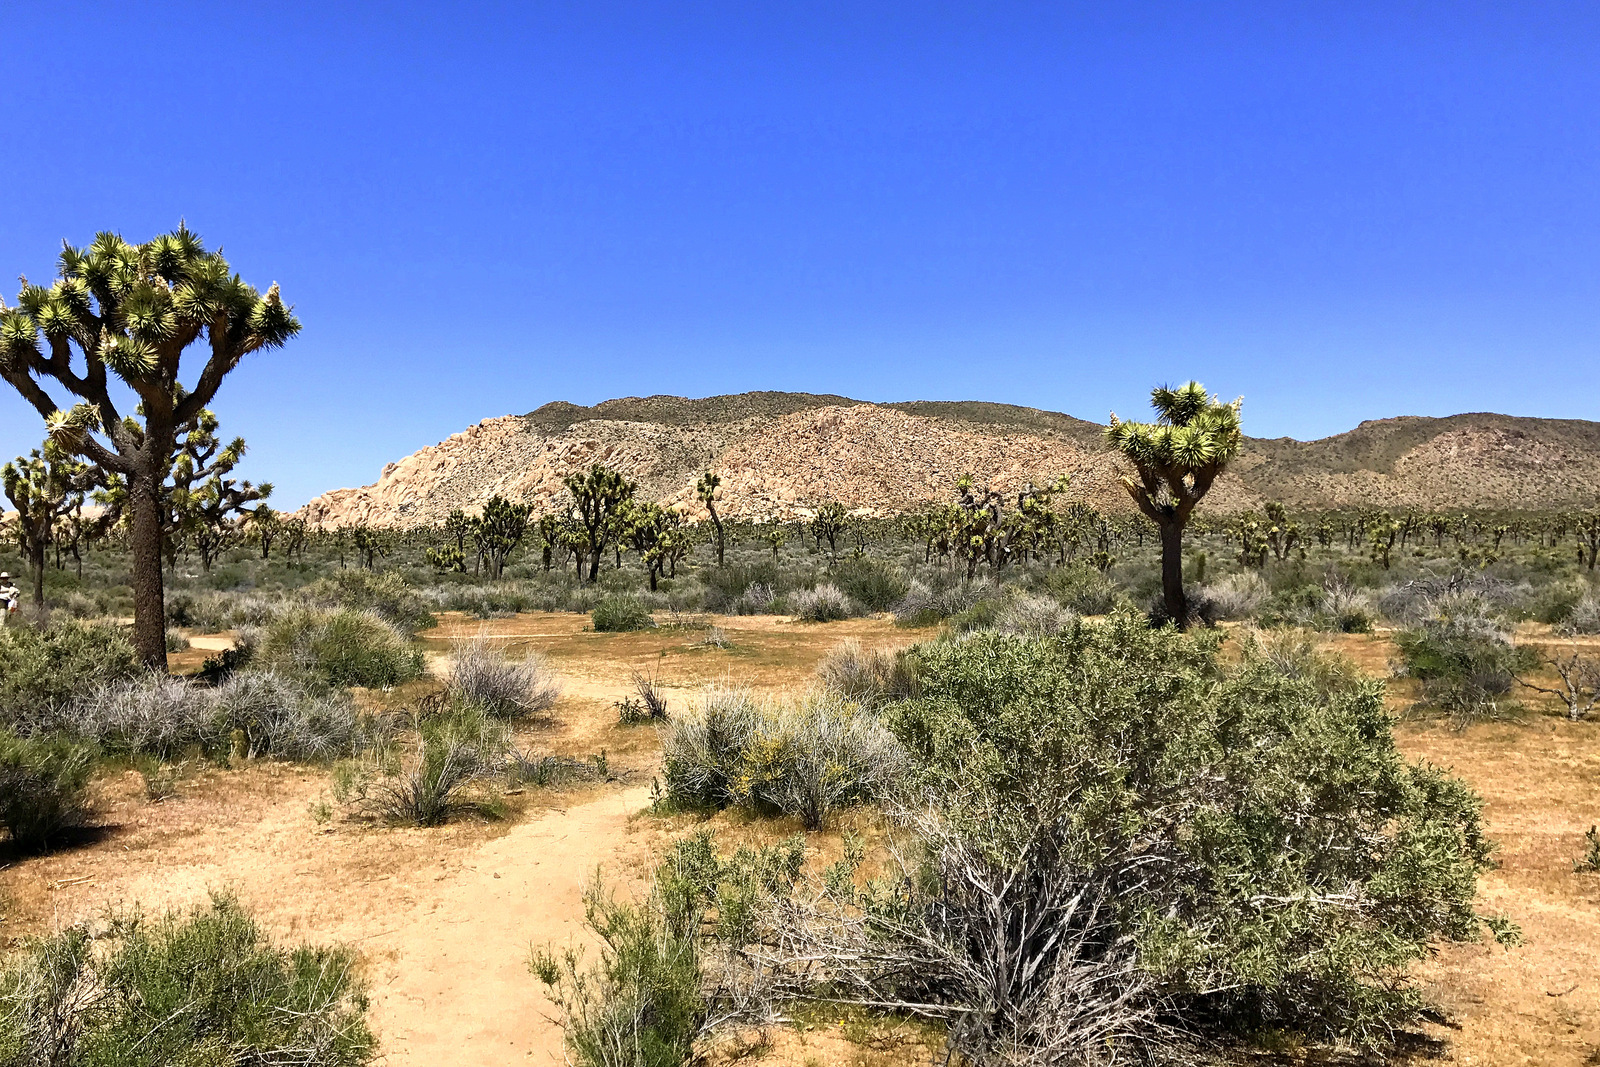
(445, 917)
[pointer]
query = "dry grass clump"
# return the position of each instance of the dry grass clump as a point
(872, 676)
(507, 689)
(825, 603)
(807, 758)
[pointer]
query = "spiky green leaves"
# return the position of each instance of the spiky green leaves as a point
(1194, 437)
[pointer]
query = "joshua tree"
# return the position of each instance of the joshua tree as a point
(131, 311)
(706, 490)
(46, 489)
(550, 527)
(597, 497)
(498, 532)
(1588, 526)
(775, 537)
(265, 526)
(829, 523)
(371, 545)
(208, 513)
(656, 534)
(1176, 458)
(295, 532)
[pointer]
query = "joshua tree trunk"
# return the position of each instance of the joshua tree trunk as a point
(36, 561)
(1172, 597)
(149, 613)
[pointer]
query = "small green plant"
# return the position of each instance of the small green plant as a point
(621, 614)
(1467, 665)
(640, 1005)
(160, 778)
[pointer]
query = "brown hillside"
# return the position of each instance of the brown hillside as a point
(781, 454)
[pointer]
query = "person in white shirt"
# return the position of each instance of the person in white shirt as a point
(10, 597)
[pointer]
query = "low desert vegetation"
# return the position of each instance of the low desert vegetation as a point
(482, 676)
(203, 987)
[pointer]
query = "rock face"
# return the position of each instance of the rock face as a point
(783, 454)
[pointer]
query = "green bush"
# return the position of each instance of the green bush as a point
(50, 668)
(44, 782)
(208, 988)
(641, 1004)
(873, 583)
(1083, 589)
(621, 614)
(1250, 830)
(342, 648)
(1467, 665)
(386, 594)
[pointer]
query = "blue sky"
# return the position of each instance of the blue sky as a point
(1340, 211)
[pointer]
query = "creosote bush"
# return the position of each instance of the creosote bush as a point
(44, 783)
(482, 675)
(1249, 831)
(641, 1004)
(621, 614)
(386, 595)
(202, 988)
(43, 670)
(806, 758)
(342, 648)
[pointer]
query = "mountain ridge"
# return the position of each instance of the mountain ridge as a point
(781, 454)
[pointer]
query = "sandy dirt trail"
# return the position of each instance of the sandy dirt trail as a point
(450, 984)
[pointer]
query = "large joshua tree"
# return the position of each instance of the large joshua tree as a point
(131, 312)
(1177, 457)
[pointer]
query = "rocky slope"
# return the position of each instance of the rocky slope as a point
(781, 454)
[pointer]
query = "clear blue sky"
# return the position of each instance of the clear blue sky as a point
(1341, 211)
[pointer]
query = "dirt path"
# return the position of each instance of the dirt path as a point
(450, 983)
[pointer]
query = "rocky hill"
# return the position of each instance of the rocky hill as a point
(781, 454)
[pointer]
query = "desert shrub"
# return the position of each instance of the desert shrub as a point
(342, 648)
(925, 605)
(703, 751)
(621, 614)
(874, 584)
(1084, 589)
(46, 669)
(44, 784)
(1032, 616)
(1584, 618)
(758, 598)
(386, 595)
(871, 676)
(1589, 862)
(151, 714)
(1249, 832)
(807, 758)
(1238, 596)
(265, 713)
(481, 675)
(726, 586)
(1467, 665)
(641, 1004)
(274, 714)
(446, 773)
(825, 603)
(206, 988)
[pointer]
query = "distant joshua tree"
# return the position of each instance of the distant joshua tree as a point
(597, 498)
(706, 490)
(1176, 458)
(45, 488)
